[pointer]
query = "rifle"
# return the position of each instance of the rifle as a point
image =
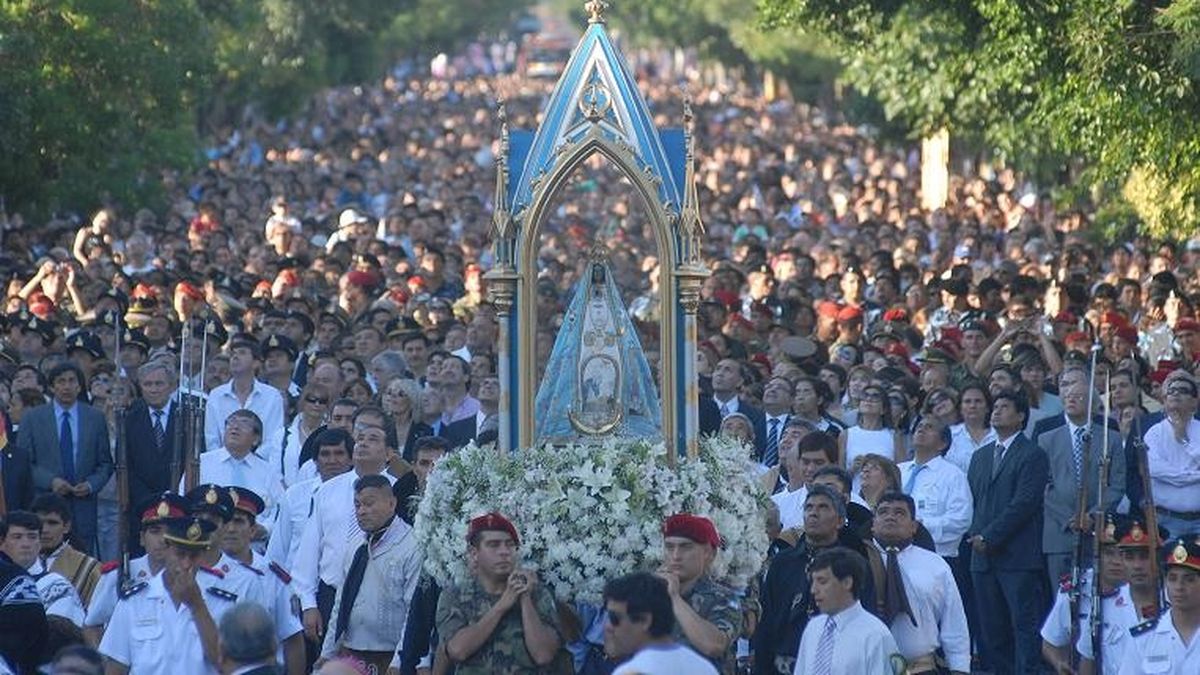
(122, 471)
(176, 471)
(1081, 512)
(1096, 619)
(196, 419)
(1148, 511)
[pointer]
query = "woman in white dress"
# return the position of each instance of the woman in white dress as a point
(872, 434)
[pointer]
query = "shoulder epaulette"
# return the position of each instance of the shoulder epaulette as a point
(109, 566)
(1143, 627)
(213, 571)
(223, 594)
(251, 568)
(281, 573)
(133, 590)
(1064, 584)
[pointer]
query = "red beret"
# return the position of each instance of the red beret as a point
(827, 308)
(739, 320)
(1066, 317)
(1077, 336)
(762, 359)
(849, 313)
(897, 314)
(492, 522)
(186, 288)
(1160, 375)
(144, 291)
(361, 279)
(698, 529)
(41, 306)
(1188, 325)
(895, 349)
(1127, 333)
(727, 298)
(1113, 318)
(288, 277)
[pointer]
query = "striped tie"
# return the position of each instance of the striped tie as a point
(1077, 452)
(771, 452)
(160, 433)
(823, 665)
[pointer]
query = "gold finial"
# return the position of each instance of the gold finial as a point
(595, 10)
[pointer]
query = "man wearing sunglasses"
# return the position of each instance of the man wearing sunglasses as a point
(1173, 453)
(639, 626)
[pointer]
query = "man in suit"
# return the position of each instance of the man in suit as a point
(18, 484)
(150, 441)
(67, 443)
(1073, 445)
(777, 410)
(727, 380)
(1008, 481)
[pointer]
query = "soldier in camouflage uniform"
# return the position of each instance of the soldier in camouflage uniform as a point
(483, 622)
(708, 616)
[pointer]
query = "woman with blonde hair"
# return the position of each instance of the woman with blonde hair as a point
(401, 399)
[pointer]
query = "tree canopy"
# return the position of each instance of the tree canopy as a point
(95, 95)
(1105, 85)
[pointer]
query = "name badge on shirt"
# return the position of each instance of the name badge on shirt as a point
(1156, 663)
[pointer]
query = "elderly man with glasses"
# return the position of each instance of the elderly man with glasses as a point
(1173, 456)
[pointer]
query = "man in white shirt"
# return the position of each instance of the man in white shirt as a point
(939, 489)
(844, 638)
(382, 566)
(319, 563)
(1173, 453)
(242, 391)
(638, 627)
(299, 502)
(925, 608)
(802, 453)
(237, 463)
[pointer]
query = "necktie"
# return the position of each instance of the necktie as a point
(996, 460)
(1077, 452)
(771, 452)
(895, 599)
(354, 579)
(823, 664)
(912, 478)
(725, 410)
(66, 448)
(160, 433)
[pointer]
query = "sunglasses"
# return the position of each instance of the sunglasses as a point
(314, 399)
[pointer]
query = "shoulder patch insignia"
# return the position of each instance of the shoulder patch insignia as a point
(281, 573)
(251, 568)
(222, 593)
(109, 566)
(213, 571)
(133, 590)
(1143, 627)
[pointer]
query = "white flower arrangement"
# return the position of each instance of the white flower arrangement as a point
(590, 513)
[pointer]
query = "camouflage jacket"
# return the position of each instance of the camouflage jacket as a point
(504, 653)
(722, 607)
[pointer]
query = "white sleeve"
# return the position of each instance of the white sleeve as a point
(104, 599)
(280, 542)
(329, 644)
(212, 426)
(287, 623)
(115, 643)
(1056, 630)
(952, 625)
(307, 572)
(879, 654)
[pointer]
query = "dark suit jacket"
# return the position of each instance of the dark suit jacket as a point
(757, 420)
(459, 433)
(1008, 506)
(149, 465)
(18, 478)
(93, 460)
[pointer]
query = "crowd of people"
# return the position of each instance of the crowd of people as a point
(943, 404)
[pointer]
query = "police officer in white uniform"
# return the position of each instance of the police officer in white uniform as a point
(1170, 645)
(213, 503)
(166, 628)
(255, 579)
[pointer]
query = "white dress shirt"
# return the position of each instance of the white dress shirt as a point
(251, 471)
(1119, 614)
(1161, 651)
(963, 447)
(381, 607)
(296, 507)
(666, 660)
(1174, 466)
(258, 583)
(863, 645)
(728, 407)
(285, 450)
(791, 506)
(264, 401)
(150, 635)
(326, 536)
(943, 498)
(933, 596)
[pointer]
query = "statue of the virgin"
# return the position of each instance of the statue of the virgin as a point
(597, 382)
